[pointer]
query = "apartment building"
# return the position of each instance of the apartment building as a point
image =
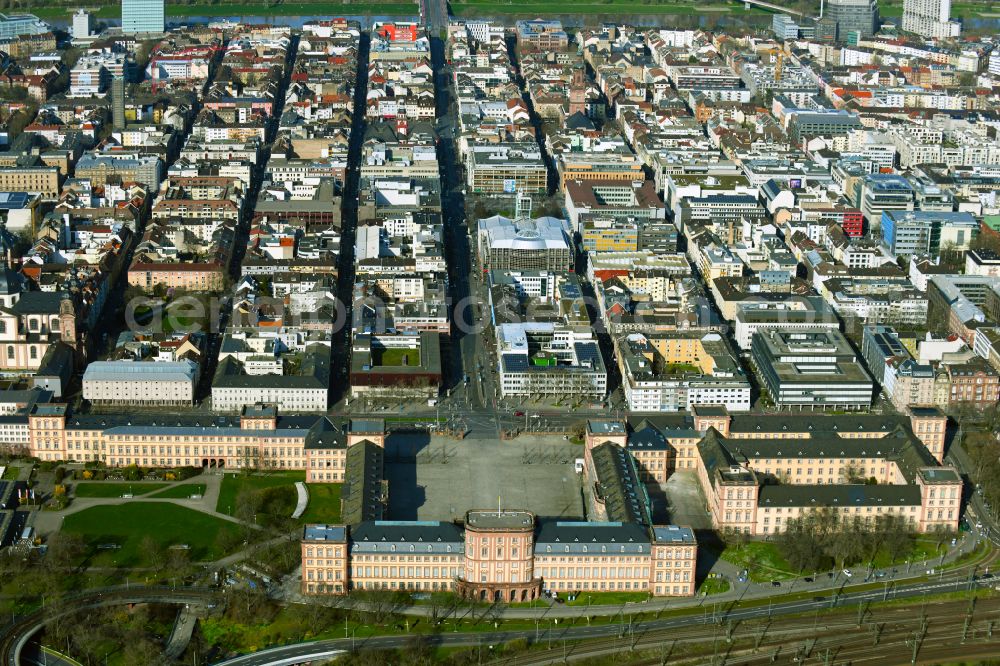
(930, 18)
(975, 383)
(675, 371)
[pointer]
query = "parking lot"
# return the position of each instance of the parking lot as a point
(439, 478)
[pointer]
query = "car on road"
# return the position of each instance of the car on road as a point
(847, 573)
(518, 413)
(775, 583)
(808, 579)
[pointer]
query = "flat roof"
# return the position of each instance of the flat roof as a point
(939, 475)
(609, 427)
(336, 533)
(500, 520)
(673, 534)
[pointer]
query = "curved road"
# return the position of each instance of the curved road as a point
(14, 636)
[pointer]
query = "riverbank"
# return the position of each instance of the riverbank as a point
(198, 9)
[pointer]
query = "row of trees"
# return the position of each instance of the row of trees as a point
(822, 539)
(982, 450)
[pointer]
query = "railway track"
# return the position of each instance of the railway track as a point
(886, 635)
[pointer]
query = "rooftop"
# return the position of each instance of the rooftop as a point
(336, 533)
(500, 520)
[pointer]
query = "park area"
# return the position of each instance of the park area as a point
(272, 497)
(767, 561)
(129, 535)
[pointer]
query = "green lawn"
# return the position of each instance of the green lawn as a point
(251, 9)
(762, 559)
(396, 357)
(114, 488)
(232, 484)
(11, 473)
(127, 525)
(180, 491)
(324, 503)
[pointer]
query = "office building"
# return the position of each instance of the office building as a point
(541, 34)
(551, 359)
(960, 304)
(612, 198)
(784, 27)
(506, 169)
(853, 16)
(142, 16)
(882, 192)
(811, 368)
(930, 18)
(907, 233)
(13, 26)
(525, 244)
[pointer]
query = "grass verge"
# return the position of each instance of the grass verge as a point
(114, 488)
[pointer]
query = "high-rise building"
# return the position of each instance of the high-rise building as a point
(850, 15)
(82, 24)
(930, 18)
(142, 16)
(118, 102)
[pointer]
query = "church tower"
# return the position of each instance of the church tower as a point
(578, 92)
(67, 321)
